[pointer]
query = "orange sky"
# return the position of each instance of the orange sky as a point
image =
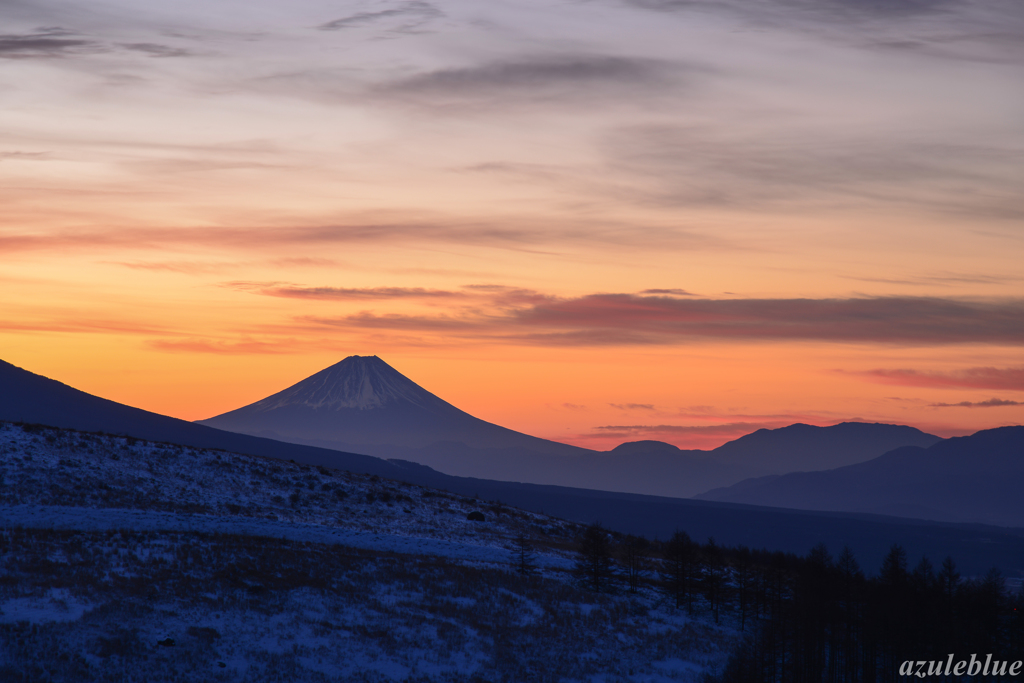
(591, 222)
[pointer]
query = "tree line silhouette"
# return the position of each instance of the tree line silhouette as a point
(816, 618)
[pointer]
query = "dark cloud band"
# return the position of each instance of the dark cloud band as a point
(624, 319)
(1011, 379)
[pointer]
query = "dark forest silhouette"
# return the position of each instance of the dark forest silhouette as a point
(819, 618)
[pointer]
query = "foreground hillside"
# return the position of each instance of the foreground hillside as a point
(125, 560)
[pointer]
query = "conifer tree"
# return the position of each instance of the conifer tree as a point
(679, 568)
(633, 552)
(524, 558)
(594, 568)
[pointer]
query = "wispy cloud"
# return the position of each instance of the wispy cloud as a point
(81, 325)
(632, 406)
(609, 319)
(356, 293)
(410, 16)
(227, 347)
(185, 267)
(157, 50)
(626, 431)
(969, 378)
(47, 43)
(518, 236)
(832, 10)
(942, 280)
(686, 165)
(547, 80)
(668, 292)
(991, 403)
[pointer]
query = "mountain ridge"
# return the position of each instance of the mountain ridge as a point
(362, 404)
(973, 478)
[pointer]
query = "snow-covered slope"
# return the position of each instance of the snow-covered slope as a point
(138, 561)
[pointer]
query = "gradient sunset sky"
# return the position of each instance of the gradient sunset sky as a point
(593, 221)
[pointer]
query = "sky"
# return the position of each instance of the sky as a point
(595, 221)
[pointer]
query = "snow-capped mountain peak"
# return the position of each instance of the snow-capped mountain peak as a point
(360, 382)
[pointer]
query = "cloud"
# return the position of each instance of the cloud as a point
(233, 347)
(24, 156)
(412, 15)
(49, 43)
(519, 236)
(647, 430)
(307, 261)
(632, 406)
(946, 280)
(358, 293)
(493, 296)
(804, 11)
(186, 267)
(969, 378)
(532, 318)
(71, 324)
(916, 320)
(991, 403)
(677, 166)
(543, 79)
(157, 50)
(668, 292)
(395, 321)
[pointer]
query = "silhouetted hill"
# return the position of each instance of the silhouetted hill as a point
(645, 447)
(805, 448)
(32, 398)
(975, 478)
(27, 397)
(362, 404)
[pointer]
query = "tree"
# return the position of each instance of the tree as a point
(744, 577)
(633, 553)
(714, 575)
(679, 568)
(523, 557)
(594, 568)
(948, 582)
(894, 567)
(850, 617)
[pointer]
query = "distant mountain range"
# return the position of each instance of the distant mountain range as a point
(362, 404)
(28, 397)
(975, 478)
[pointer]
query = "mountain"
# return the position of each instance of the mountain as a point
(362, 404)
(973, 478)
(804, 448)
(31, 398)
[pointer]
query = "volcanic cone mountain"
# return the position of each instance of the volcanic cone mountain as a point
(363, 403)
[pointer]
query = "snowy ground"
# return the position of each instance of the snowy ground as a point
(106, 519)
(132, 561)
